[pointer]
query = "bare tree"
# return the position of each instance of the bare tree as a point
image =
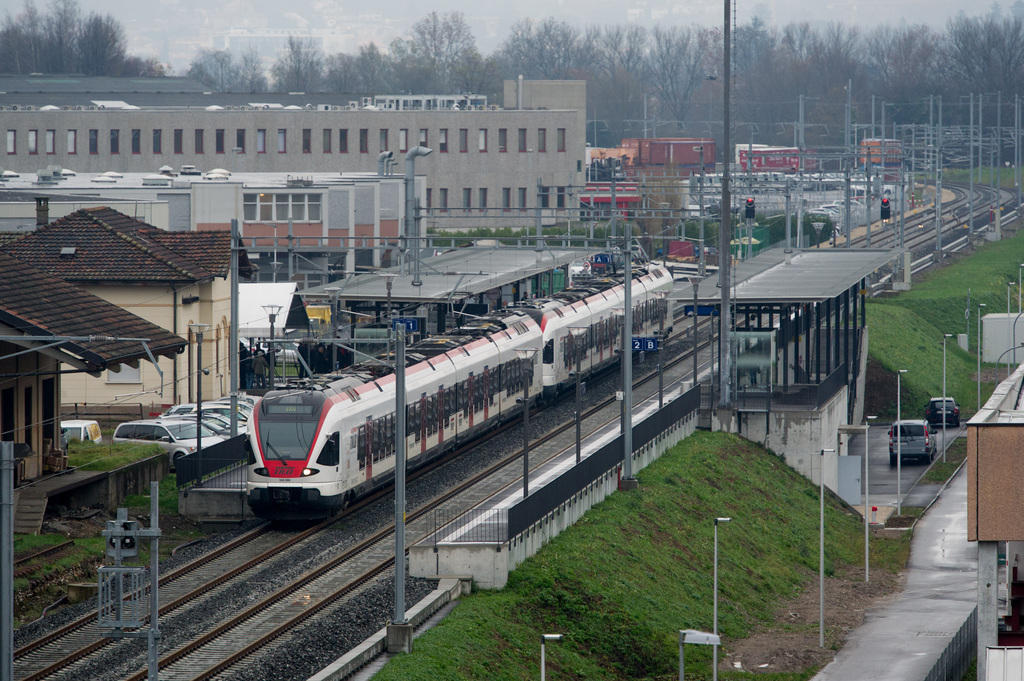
(439, 42)
(61, 28)
(546, 49)
(374, 69)
(215, 69)
(341, 74)
(300, 68)
(251, 76)
(101, 46)
(676, 62)
(905, 61)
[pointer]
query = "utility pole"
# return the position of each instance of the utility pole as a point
(233, 340)
(725, 232)
(872, 115)
(970, 193)
(938, 184)
(997, 151)
(847, 216)
(700, 212)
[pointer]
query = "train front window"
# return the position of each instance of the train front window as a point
(288, 425)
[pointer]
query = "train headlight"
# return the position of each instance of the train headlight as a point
(309, 471)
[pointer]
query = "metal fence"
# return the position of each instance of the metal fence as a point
(219, 465)
(476, 525)
(546, 499)
(957, 656)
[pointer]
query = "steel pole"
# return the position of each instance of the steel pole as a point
(944, 398)
(627, 354)
(199, 395)
(526, 436)
(970, 191)
(714, 649)
(821, 551)
(978, 349)
(700, 212)
(153, 650)
(400, 443)
(725, 232)
(6, 561)
(938, 184)
(867, 505)
(899, 445)
(696, 284)
(578, 399)
(233, 340)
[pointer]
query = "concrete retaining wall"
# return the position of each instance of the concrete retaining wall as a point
(111, 489)
(213, 505)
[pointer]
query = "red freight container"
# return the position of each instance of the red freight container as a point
(681, 249)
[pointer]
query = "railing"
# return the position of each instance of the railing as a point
(546, 499)
(225, 460)
(476, 525)
(962, 649)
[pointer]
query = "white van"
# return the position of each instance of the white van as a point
(81, 430)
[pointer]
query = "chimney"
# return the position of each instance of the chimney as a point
(42, 211)
(519, 92)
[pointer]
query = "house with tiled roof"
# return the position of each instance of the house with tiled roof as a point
(50, 332)
(171, 279)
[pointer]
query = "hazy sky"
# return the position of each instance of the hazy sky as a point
(173, 30)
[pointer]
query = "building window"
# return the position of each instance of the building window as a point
(158, 142)
(444, 198)
(482, 141)
(261, 141)
(506, 198)
(177, 140)
(403, 140)
(467, 198)
(33, 141)
(282, 141)
(240, 141)
(364, 141)
(327, 140)
(522, 198)
(50, 141)
(522, 139)
(94, 141)
(383, 139)
(423, 137)
(502, 140)
(124, 374)
(544, 192)
(560, 200)
(307, 140)
(12, 142)
(542, 139)
(463, 140)
(281, 207)
(560, 139)
(136, 141)
(115, 141)
(430, 198)
(343, 140)
(482, 198)
(218, 141)
(72, 142)
(199, 140)
(442, 140)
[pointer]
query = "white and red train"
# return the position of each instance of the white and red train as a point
(319, 445)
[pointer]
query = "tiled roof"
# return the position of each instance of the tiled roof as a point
(37, 304)
(104, 245)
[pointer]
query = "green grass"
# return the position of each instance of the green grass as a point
(168, 502)
(89, 456)
(906, 330)
(941, 471)
(637, 568)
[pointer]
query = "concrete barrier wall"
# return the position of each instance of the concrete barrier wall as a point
(111, 489)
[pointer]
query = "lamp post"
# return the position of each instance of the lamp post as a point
(821, 550)
(899, 442)
(714, 650)
(527, 355)
(978, 348)
(198, 330)
(411, 225)
(944, 396)
(272, 312)
(1019, 268)
(400, 444)
(544, 638)
(700, 208)
(867, 501)
(389, 277)
(578, 333)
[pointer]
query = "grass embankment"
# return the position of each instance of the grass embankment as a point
(89, 456)
(906, 330)
(638, 567)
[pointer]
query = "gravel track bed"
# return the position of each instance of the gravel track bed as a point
(331, 634)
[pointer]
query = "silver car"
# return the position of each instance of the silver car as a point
(177, 437)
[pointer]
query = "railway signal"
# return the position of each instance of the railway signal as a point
(886, 209)
(749, 209)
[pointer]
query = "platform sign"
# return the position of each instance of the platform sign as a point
(602, 258)
(645, 344)
(702, 310)
(411, 324)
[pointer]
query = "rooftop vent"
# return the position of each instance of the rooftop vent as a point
(67, 251)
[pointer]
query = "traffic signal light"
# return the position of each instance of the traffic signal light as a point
(749, 209)
(122, 533)
(886, 209)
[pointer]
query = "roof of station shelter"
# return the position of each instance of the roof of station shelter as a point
(812, 275)
(457, 274)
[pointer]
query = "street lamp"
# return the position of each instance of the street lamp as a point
(699, 637)
(525, 356)
(578, 333)
(899, 442)
(544, 638)
(944, 397)
(272, 312)
(198, 330)
(978, 348)
(714, 650)
(867, 494)
(821, 550)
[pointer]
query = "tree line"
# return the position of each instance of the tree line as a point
(64, 40)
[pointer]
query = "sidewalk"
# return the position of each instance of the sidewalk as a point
(903, 640)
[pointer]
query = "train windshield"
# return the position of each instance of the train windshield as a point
(288, 423)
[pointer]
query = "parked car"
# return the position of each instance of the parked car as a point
(939, 406)
(221, 408)
(176, 436)
(80, 429)
(915, 441)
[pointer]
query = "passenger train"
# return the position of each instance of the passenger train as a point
(320, 444)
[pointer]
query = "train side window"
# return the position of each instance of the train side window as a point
(330, 455)
(549, 352)
(361, 447)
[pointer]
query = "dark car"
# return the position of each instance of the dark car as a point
(915, 441)
(939, 406)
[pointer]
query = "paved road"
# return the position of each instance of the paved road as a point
(902, 641)
(882, 477)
